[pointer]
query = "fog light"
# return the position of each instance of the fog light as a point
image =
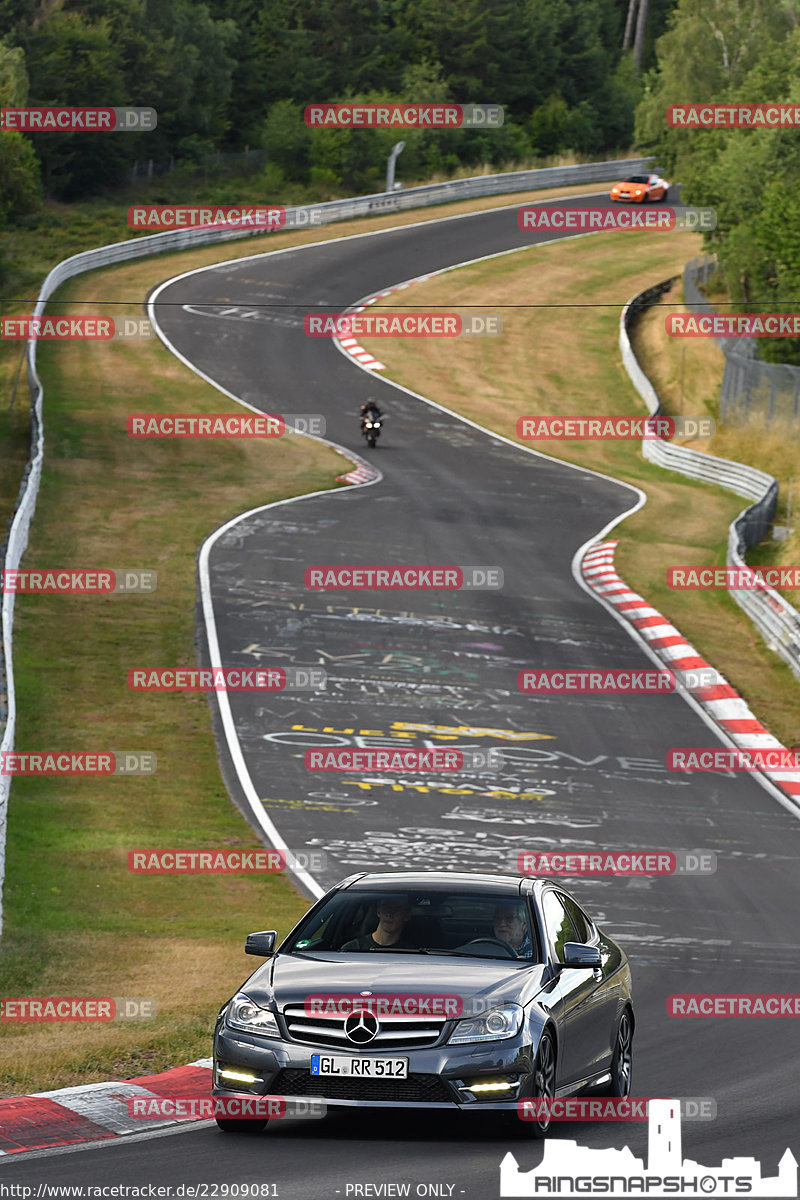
(491, 1087)
(238, 1076)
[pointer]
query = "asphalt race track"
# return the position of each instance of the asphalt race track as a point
(582, 771)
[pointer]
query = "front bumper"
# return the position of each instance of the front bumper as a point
(438, 1076)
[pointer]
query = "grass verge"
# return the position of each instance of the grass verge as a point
(558, 354)
(77, 923)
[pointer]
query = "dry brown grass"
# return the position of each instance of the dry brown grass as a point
(563, 358)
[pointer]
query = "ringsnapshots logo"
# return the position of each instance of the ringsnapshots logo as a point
(587, 429)
(733, 116)
(78, 120)
(233, 1107)
(227, 679)
(78, 762)
(77, 1008)
(404, 116)
(224, 860)
(403, 579)
(406, 759)
(623, 680)
(69, 581)
(567, 1169)
(535, 217)
(733, 325)
(614, 862)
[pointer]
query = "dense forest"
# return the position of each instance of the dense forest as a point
(229, 74)
(226, 75)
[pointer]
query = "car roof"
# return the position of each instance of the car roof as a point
(437, 880)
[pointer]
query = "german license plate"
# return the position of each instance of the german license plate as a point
(356, 1065)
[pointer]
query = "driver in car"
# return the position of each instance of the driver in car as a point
(393, 914)
(510, 925)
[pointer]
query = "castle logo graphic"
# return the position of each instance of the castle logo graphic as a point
(568, 1169)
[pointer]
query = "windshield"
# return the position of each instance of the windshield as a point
(638, 179)
(471, 924)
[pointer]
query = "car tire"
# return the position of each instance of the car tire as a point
(622, 1060)
(241, 1125)
(544, 1084)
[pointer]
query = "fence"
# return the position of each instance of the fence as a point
(142, 247)
(750, 388)
(243, 160)
(776, 619)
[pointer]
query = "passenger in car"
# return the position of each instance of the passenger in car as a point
(393, 915)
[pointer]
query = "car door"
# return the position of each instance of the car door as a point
(581, 1001)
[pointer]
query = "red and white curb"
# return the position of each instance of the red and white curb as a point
(351, 346)
(95, 1111)
(721, 702)
(361, 474)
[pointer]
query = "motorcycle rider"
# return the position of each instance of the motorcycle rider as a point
(370, 411)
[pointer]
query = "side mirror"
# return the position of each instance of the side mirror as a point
(262, 943)
(576, 954)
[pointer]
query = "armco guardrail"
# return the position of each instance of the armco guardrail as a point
(775, 618)
(159, 243)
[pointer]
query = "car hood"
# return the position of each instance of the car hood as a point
(289, 978)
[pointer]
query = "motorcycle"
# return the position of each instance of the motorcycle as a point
(371, 430)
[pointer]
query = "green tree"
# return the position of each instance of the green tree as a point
(20, 179)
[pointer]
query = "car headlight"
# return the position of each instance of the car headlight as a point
(500, 1023)
(243, 1013)
(638, 192)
